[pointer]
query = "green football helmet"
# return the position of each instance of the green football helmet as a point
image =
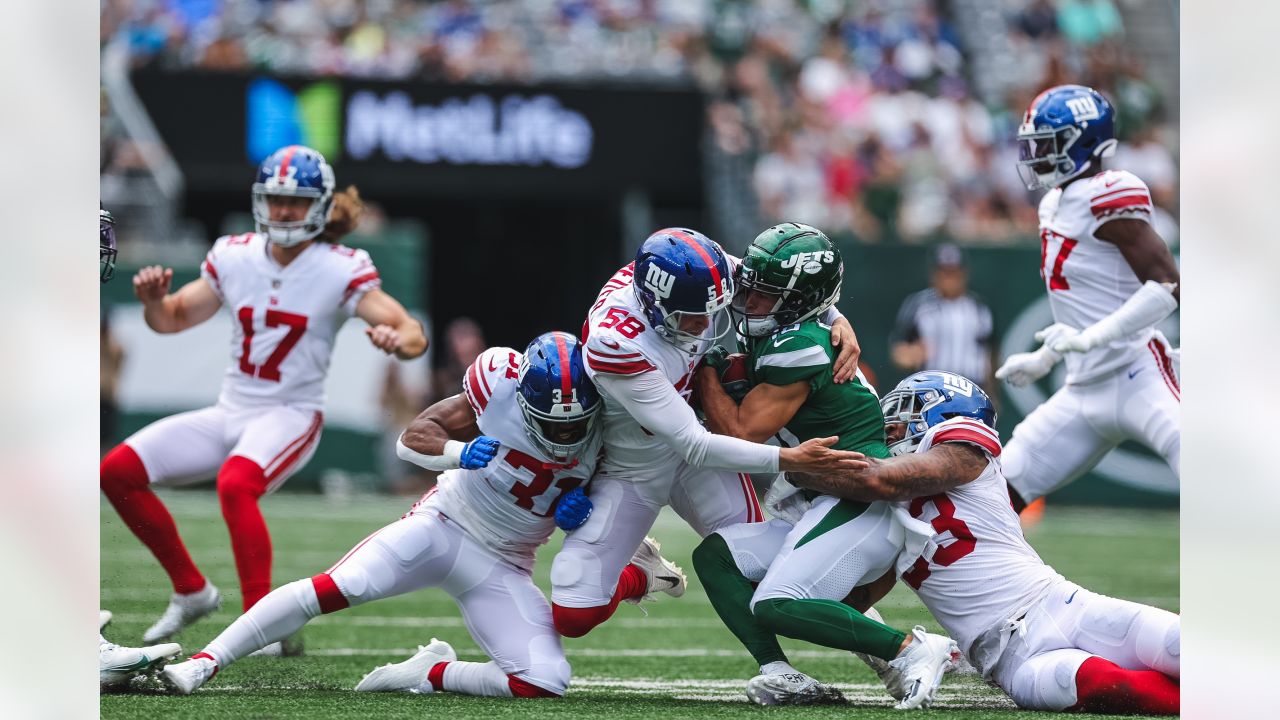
(797, 265)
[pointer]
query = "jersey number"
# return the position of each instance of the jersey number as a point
(1057, 281)
(628, 326)
(527, 495)
(270, 370)
(962, 543)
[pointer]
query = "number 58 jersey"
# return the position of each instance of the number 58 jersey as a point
(508, 505)
(284, 319)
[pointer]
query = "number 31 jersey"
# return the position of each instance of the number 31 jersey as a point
(508, 505)
(1088, 279)
(284, 319)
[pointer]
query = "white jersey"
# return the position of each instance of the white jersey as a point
(508, 505)
(284, 319)
(1088, 279)
(977, 571)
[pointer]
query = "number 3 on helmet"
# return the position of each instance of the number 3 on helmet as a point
(293, 171)
(1065, 128)
(558, 400)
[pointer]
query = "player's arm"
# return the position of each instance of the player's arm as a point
(764, 411)
(1144, 250)
(391, 328)
(167, 312)
(446, 436)
(944, 467)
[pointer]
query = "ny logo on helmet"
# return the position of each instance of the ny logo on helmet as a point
(282, 181)
(1083, 108)
(958, 384)
(810, 262)
(659, 281)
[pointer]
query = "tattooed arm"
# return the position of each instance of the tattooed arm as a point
(942, 468)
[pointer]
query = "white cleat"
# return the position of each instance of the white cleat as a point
(183, 610)
(291, 646)
(185, 678)
(410, 675)
(104, 618)
(117, 665)
(791, 688)
(664, 575)
(922, 666)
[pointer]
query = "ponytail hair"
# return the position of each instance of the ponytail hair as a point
(345, 215)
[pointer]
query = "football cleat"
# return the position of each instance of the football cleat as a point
(888, 674)
(117, 665)
(410, 675)
(922, 666)
(291, 646)
(185, 678)
(183, 610)
(791, 688)
(664, 575)
(104, 618)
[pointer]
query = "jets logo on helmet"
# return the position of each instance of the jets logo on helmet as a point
(557, 399)
(687, 284)
(790, 273)
(927, 398)
(1063, 132)
(298, 172)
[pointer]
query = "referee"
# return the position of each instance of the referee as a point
(945, 327)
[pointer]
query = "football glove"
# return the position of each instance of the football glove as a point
(477, 453)
(573, 510)
(731, 368)
(1021, 369)
(786, 501)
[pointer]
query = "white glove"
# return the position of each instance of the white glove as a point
(1152, 303)
(1025, 368)
(785, 501)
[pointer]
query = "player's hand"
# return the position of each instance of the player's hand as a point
(151, 283)
(728, 369)
(843, 338)
(817, 456)
(384, 337)
(573, 509)
(1064, 339)
(785, 501)
(477, 453)
(1021, 369)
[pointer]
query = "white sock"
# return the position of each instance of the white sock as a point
(275, 617)
(778, 667)
(473, 678)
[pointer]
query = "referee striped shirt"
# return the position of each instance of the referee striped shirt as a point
(956, 332)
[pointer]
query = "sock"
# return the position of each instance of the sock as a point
(124, 481)
(470, 678)
(829, 623)
(730, 594)
(1104, 687)
(280, 614)
(240, 483)
(576, 622)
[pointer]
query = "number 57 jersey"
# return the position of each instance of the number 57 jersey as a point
(284, 319)
(508, 505)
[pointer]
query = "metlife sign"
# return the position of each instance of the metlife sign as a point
(482, 129)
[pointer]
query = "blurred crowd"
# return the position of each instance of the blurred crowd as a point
(859, 117)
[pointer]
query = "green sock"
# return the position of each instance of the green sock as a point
(829, 623)
(730, 594)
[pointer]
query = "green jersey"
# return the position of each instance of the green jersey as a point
(850, 410)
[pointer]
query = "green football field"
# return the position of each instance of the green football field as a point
(677, 662)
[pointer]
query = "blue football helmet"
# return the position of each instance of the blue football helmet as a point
(927, 398)
(1065, 128)
(106, 245)
(293, 171)
(557, 398)
(681, 273)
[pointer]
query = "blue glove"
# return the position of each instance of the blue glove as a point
(573, 509)
(477, 453)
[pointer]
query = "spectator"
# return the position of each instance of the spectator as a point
(463, 343)
(945, 327)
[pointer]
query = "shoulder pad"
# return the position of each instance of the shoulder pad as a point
(964, 430)
(493, 369)
(1118, 191)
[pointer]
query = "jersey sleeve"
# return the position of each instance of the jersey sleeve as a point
(212, 262)
(790, 357)
(964, 430)
(488, 375)
(361, 277)
(610, 353)
(1118, 194)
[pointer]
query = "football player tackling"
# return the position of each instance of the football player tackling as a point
(1110, 280)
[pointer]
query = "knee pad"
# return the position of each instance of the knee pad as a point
(576, 622)
(1109, 622)
(240, 477)
(576, 580)
(1159, 642)
(1048, 681)
(122, 471)
(351, 581)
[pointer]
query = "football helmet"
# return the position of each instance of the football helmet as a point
(681, 273)
(106, 245)
(795, 263)
(558, 400)
(1064, 129)
(927, 398)
(293, 171)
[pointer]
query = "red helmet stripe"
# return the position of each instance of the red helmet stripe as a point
(284, 161)
(566, 381)
(702, 253)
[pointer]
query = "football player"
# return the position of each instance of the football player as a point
(289, 286)
(1110, 279)
(1046, 641)
(648, 329)
(789, 276)
(516, 446)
